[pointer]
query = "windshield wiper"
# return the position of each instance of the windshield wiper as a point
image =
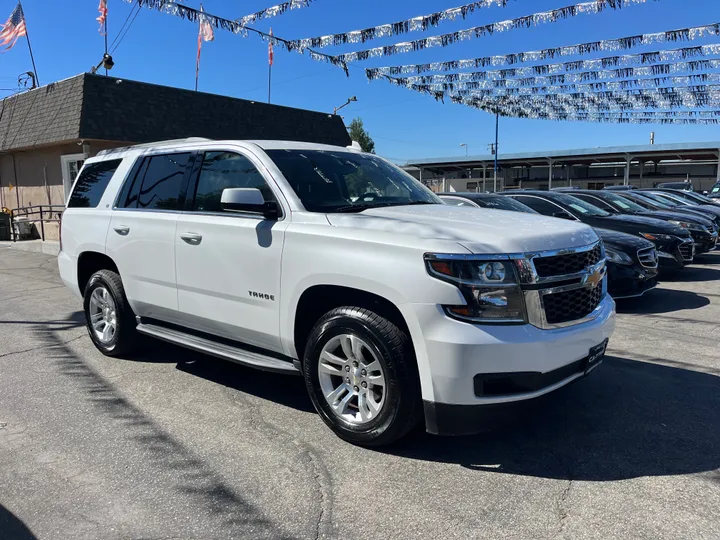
(361, 207)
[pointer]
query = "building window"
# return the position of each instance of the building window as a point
(71, 165)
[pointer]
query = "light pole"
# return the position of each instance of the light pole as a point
(348, 102)
(466, 148)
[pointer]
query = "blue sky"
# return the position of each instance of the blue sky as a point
(161, 49)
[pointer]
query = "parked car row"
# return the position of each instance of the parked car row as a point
(645, 232)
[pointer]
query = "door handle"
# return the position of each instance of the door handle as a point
(191, 238)
(122, 230)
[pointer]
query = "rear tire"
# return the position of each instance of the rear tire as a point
(109, 318)
(361, 374)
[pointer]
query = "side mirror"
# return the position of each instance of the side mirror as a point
(248, 200)
(562, 214)
(705, 193)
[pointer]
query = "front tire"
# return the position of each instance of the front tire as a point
(361, 374)
(109, 318)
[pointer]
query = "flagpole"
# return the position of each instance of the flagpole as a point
(106, 41)
(27, 37)
(269, 80)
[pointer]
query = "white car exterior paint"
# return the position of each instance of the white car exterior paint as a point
(205, 286)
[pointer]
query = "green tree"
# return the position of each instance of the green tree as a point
(358, 134)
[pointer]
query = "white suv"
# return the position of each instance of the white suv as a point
(337, 265)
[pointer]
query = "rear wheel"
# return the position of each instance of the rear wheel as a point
(110, 320)
(361, 374)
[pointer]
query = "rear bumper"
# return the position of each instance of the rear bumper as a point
(68, 272)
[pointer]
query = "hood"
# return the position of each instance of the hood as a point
(623, 242)
(480, 230)
(677, 216)
(646, 224)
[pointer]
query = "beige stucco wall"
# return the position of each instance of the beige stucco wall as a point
(39, 177)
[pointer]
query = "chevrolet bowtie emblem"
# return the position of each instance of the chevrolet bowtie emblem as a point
(595, 278)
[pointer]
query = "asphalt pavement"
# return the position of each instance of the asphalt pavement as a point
(171, 444)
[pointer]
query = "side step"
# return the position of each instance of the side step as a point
(220, 350)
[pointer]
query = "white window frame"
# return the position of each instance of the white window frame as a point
(65, 162)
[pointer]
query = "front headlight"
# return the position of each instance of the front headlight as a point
(618, 257)
(653, 237)
(690, 226)
(490, 288)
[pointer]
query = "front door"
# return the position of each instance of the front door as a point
(228, 263)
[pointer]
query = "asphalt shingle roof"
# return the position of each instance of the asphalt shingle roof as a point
(95, 107)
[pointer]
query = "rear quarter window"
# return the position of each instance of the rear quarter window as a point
(92, 182)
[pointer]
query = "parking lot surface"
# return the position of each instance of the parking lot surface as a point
(171, 444)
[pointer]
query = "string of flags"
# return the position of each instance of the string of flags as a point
(678, 85)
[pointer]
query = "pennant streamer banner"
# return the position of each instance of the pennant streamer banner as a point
(625, 43)
(193, 15)
(572, 103)
(445, 40)
(274, 11)
(631, 84)
(516, 78)
(400, 27)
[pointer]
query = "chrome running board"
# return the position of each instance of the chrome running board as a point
(219, 350)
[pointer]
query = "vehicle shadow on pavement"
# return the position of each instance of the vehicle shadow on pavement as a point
(662, 301)
(628, 419)
(12, 528)
(192, 477)
(287, 390)
(691, 274)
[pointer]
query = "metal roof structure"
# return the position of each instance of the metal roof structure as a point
(706, 151)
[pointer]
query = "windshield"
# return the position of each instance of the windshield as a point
(653, 203)
(697, 197)
(337, 181)
(581, 207)
(499, 202)
(622, 202)
(679, 201)
(662, 200)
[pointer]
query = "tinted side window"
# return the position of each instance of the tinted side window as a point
(595, 202)
(162, 183)
(91, 184)
(539, 205)
(221, 170)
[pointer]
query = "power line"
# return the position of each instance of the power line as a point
(127, 29)
(123, 25)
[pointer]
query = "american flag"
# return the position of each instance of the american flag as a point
(271, 51)
(13, 29)
(206, 33)
(102, 19)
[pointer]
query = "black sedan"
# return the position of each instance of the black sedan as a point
(674, 244)
(690, 196)
(632, 261)
(645, 199)
(711, 210)
(703, 231)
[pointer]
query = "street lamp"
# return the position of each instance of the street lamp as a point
(466, 148)
(348, 102)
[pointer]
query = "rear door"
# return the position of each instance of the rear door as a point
(142, 232)
(228, 263)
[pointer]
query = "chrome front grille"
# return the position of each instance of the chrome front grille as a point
(567, 263)
(687, 250)
(571, 305)
(648, 257)
(565, 287)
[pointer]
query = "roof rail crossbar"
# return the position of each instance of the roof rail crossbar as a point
(157, 144)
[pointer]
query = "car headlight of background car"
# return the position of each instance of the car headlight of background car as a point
(690, 226)
(618, 257)
(490, 288)
(654, 237)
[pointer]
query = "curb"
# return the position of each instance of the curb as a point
(34, 246)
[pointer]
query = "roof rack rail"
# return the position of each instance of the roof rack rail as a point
(170, 142)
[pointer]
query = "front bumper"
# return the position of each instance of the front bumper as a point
(629, 281)
(675, 255)
(456, 352)
(704, 242)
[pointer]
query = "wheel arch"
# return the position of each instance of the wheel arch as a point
(90, 262)
(318, 299)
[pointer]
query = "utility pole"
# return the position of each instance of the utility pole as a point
(495, 152)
